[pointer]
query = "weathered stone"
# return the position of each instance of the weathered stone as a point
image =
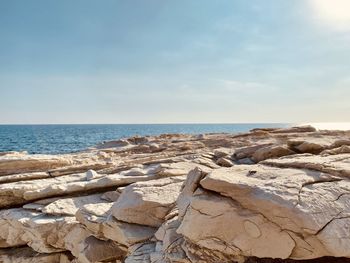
(303, 204)
(248, 151)
(97, 219)
(91, 174)
(272, 151)
(225, 162)
(338, 165)
(222, 152)
(10, 164)
(95, 250)
(147, 203)
(163, 199)
(69, 206)
(27, 255)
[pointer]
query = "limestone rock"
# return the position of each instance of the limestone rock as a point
(98, 220)
(248, 151)
(272, 151)
(10, 164)
(225, 162)
(305, 206)
(299, 129)
(251, 233)
(147, 203)
(69, 206)
(22, 192)
(95, 250)
(222, 152)
(338, 150)
(91, 174)
(27, 255)
(338, 165)
(167, 198)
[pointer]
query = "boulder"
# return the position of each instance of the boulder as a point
(147, 203)
(273, 151)
(225, 162)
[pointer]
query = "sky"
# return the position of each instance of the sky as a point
(183, 61)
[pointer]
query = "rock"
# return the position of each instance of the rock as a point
(245, 161)
(11, 164)
(143, 170)
(251, 233)
(182, 198)
(140, 253)
(43, 233)
(307, 207)
(339, 150)
(154, 147)
(113, 144)
(169, 243)
(79, 168)
(299, 129)
(23, 192)
(340, 143)
(91, 174)
(272, 151)
(204, 161)
(337, 165)
(247, 152)
(225, 162)
(222, 152)
(200, 137)
(110, 196)
(95, 250)
(147, 203)
(27, 255)
(23, 177)
(312, 145)
(69, 206)
(98, 220)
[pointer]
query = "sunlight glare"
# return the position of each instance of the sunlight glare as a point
(336, 13)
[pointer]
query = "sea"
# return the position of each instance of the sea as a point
(56, 139)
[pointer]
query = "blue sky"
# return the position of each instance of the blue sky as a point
(162, 61)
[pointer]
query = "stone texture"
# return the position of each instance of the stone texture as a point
(309, 207)
(266, 196)
(272, 151)
(147, 203)
(11, 164)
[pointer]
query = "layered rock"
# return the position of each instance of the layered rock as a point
(270, 195)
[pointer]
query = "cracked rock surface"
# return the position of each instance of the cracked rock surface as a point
(266, 196)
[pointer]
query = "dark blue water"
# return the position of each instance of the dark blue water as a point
(72, 138)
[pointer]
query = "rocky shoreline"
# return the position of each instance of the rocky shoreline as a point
(270, 195)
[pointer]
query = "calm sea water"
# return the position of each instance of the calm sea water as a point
(71, 138)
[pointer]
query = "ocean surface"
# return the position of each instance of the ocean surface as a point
(56, 139)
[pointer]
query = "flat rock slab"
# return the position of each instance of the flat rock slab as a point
(338, 165)
(30, 163)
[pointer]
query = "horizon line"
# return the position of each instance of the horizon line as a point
(154, 123)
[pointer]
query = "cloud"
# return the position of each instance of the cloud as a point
(333, 13)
